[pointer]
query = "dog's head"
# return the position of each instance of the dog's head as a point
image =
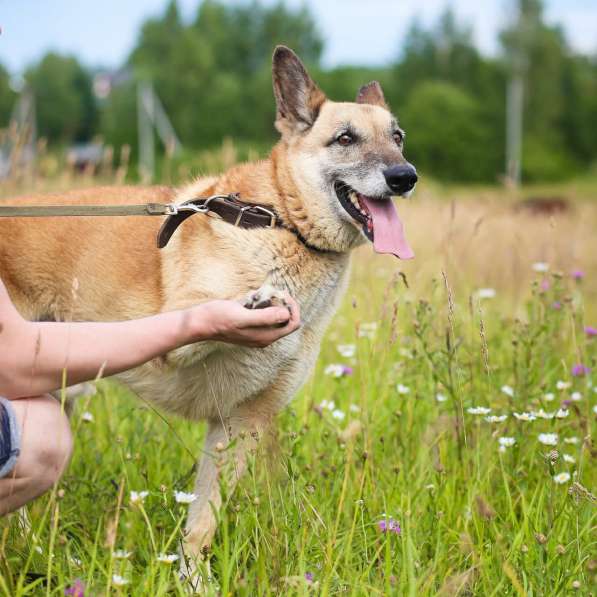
(345, 160)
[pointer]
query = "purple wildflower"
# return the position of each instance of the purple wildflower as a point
(566, 403)
(556, 305)
(590, 331)
(580, 370)
(545, 284)
(578, 274)
(389, 525)
(76, 590)
(309, 576)
(346, 370)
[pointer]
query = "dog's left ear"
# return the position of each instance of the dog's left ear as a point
(372, 94)
(298, 99)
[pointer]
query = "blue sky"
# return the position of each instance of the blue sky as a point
(368, 32)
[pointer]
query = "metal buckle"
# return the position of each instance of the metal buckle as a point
(271, 214)
(240, 214)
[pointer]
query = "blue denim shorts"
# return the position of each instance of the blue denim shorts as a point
(9, 438)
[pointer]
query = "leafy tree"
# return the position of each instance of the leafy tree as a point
(7, 97)
(65, 105)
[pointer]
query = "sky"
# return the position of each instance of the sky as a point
(366, 32)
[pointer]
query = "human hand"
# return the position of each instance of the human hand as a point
(229, 321)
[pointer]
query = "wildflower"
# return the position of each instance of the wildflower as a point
(496, 418)
(576, 396)
(524, 416)
(578, 274)
(569, 459)
(508, 391)
(441, 397)
(119, 581)
(338, 414)
(347, 350)
(329, 404)
(138, 497)
(556, 305)
(353, 408)
(87, 417)
(549, 396)
(595, 409)
(548, 439)
(545, 284)
(389, 525)
(507, 442)
(541, 266)
(571, 440)
(401, 389)
(478, 410)
(580, 370)
(77, 589)
(184, 498)
(541, 414)
(404, 352)
(562, 478)
(309, 576)
(167, 558)
(590, 331)
(368, 330)
(337, 370)
(121, 554)
(562, 413)
(485, 293)
(563, 385)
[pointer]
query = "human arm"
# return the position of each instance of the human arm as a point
(33, 355)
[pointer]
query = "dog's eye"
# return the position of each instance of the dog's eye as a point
(345, 139)
(398, 137)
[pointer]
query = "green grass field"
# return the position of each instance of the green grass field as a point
(460, 513)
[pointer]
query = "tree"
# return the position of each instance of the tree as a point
(65, 105)
(7, 97)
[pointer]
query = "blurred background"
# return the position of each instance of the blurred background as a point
(489, 92)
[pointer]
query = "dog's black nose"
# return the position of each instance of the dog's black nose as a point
(401, 178)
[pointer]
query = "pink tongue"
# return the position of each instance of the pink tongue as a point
(388, 232)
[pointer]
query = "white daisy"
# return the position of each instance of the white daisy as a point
(441, 397)
(485, 293)
(334, 370)
(167, 558)
(548, 439)
(562, 385)
(541, 266)
(506, 441)
(562, 414)
(354, 408)
(184, 498)
(338, 414)
(496, 418)
(524, 416)
(509, 391)
(87, 417)
(121, 554)
(562, 478)
(401, 389)
(568, 458)
(478, 410)
(541, 414)
(576, 396)
(347, 350)
(138, 497)
(119, 581)
(329, 404)
(571, 440)
(549, 396)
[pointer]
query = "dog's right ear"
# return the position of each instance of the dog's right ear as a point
(298, 99)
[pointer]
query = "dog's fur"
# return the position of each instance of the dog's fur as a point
(120, 274)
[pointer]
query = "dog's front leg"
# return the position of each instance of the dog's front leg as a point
(227, 447)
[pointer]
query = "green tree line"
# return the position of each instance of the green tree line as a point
(213, 77)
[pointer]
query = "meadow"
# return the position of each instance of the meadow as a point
(443, 445)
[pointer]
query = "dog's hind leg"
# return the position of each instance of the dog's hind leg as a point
(228, 444)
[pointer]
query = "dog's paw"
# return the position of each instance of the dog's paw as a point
(266, 296)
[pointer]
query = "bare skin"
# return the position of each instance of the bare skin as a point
(33, 357)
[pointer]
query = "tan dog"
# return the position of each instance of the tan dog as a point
(330, 179)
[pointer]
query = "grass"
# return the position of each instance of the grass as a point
(305, 519)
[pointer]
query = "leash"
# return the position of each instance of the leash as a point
(228, 207)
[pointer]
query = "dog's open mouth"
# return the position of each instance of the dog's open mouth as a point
(378, 218)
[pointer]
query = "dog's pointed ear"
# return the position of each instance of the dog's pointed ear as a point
(298, 99)
(372, 94)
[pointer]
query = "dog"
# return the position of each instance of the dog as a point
(330, 179)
